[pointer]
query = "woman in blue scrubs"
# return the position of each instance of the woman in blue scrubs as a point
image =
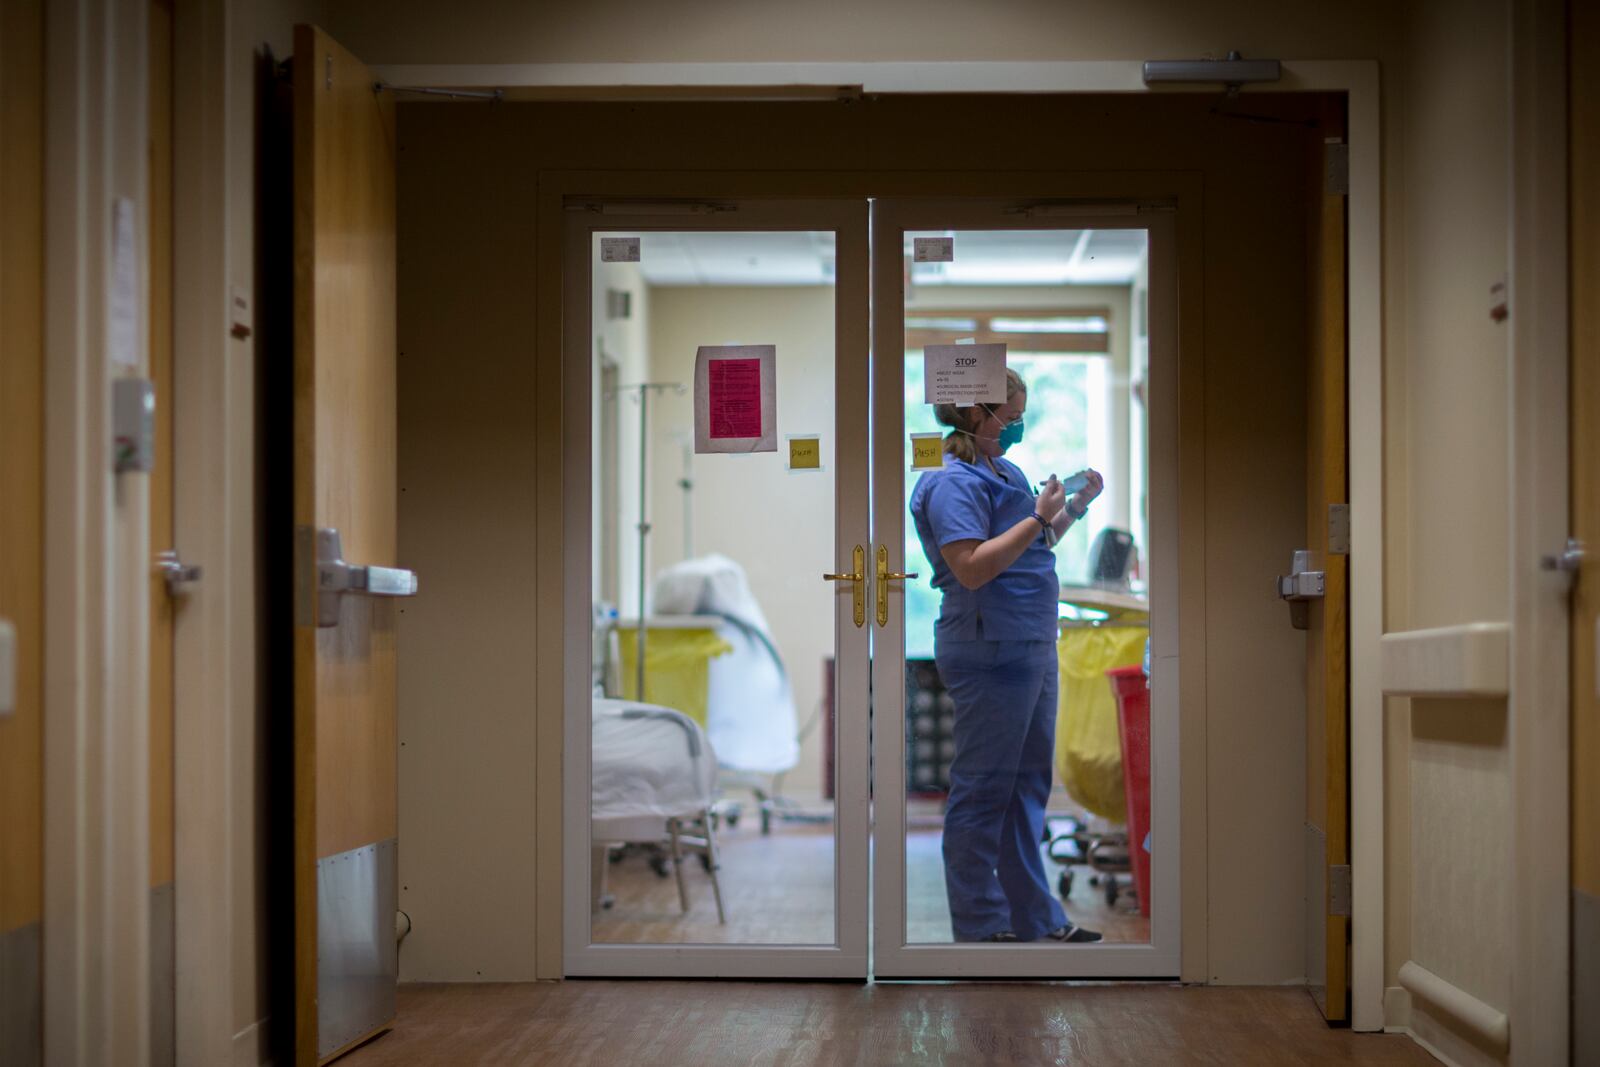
(989, 540)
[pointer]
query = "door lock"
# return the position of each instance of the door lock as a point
(1301, 586)
(177, 574)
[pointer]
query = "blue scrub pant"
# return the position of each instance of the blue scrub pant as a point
(1005, 723)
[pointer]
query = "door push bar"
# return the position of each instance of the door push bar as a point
(336, 578)
(1301, 586)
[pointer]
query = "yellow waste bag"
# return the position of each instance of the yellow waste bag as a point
(1088, 746)
(677, 667)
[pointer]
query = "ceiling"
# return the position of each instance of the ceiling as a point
(987, 257)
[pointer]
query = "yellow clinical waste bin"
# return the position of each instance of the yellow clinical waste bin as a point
(1088, 746)
(677, 665)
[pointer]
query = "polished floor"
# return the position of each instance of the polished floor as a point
(777, 1024)
(778, 889)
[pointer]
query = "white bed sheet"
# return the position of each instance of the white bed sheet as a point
(644, 770)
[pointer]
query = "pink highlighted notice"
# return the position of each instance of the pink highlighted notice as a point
(734, 399)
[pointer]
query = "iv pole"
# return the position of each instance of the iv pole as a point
(643, 391)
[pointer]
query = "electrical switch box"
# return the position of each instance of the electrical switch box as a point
(133, 424)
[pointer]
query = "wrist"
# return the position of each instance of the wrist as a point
(1075, 511)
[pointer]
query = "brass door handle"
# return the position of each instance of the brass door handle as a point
(885, 576)
(858, 576)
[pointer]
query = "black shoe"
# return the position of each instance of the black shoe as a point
(1074, 934)
(1003, 935)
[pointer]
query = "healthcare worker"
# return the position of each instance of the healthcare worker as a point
(989, 540)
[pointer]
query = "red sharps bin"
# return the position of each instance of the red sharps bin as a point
(1132, 691)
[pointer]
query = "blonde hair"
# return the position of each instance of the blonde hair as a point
(958, 442)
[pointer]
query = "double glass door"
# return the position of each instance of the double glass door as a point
(766, 772)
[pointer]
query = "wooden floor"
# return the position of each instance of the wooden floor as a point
(709, 1024)
(779, 890)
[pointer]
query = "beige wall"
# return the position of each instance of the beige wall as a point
(467, 176)
(625, 345)
(468, 401)
(777, 524)
(637, 31)
(1448, 765)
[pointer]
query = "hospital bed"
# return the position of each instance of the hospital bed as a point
(653, 779)
(751, 715)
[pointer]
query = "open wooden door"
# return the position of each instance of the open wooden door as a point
(345, 800)
(1317, 587)
(21, 532)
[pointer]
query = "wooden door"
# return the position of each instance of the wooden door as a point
(21, 527)
(1327, 618)
(344, 481)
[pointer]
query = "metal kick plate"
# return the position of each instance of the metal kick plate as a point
(22, 1006)
(358, 962)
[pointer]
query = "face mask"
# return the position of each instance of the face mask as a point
(1010, 434)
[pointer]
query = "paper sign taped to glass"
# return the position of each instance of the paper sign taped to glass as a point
(736, 398)
(964, 374)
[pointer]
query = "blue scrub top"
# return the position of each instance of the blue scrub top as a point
(969, 502)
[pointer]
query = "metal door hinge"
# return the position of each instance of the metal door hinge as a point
(1339, 889)
(1339, 529)
(1336, 169)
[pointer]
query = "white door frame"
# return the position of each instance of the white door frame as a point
(214, 676)
(847, 957)
(892, 956)
(97, 557)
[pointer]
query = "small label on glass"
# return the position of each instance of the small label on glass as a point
(619, 250)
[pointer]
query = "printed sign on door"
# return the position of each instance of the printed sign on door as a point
(736, 398)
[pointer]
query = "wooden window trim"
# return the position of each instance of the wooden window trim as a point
(1097, 343)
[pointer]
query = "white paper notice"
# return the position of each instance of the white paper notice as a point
(619, 250)
(123, 329)
(933, 249)
(736, 398)
(964, 374)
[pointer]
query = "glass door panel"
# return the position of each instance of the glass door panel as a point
(720, 814)
(1014, 782)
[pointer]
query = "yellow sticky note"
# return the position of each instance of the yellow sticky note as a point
(927, 451)
(805, 453)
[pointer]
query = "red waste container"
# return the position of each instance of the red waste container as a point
(1132, 691)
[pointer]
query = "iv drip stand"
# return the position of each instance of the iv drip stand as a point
(644, 389)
